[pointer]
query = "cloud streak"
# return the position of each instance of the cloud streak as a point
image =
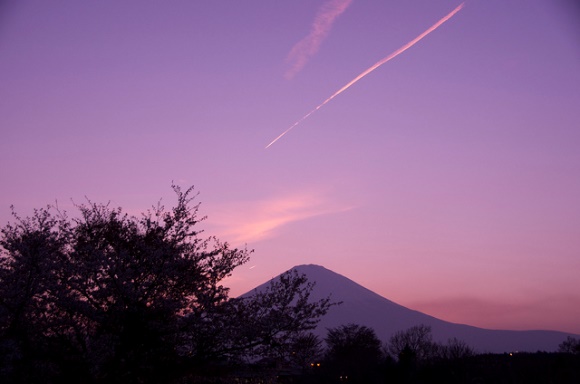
(373, 67)
(307, 47)
(253, 221)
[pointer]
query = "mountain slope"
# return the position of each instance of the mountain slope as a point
(364, 307)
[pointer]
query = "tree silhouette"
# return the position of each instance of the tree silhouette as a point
(415, 343)
(108, 297)
(274, 317)
(570, 345)
(353, 353)
(455, 349)
(306, 351)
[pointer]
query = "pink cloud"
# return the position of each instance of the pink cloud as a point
(253, 221)
(308, 46)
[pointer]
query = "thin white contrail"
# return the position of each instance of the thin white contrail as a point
(373, 67)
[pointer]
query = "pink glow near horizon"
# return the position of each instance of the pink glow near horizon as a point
(447, 182)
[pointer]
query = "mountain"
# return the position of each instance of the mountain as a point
(362, 306)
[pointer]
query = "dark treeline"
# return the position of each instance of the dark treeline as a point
(355, 355)
(352, 353)
(105, 297)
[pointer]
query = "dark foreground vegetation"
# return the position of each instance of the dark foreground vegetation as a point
(411, 356)
(353, 354)
(528, 368)
(105, 297)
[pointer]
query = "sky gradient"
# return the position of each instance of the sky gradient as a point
(447, 180)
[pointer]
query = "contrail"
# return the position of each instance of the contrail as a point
(373, 67)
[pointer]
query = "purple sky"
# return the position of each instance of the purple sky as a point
(447, 180)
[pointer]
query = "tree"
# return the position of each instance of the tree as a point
(306, 351)
(413, 344)
(109, 297)
(416, 345)
(570, 345)
(279, 314)
(29, 253)
(455, 349)
(353, 352)
(262, 325)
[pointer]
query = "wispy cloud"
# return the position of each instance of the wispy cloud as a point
(372, 68)
(307, 47)
(245, 222)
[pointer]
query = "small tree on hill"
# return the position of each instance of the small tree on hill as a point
(455, 349)
(413, 344)
(416, 345)
(353, 352)
(570, 345)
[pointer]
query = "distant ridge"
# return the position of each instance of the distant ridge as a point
(362, 306)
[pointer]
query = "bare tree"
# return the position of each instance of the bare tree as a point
(455, 349)
(415, 343)
(570, 345)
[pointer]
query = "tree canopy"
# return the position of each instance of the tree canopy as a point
(107, 297)
(353, 352)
